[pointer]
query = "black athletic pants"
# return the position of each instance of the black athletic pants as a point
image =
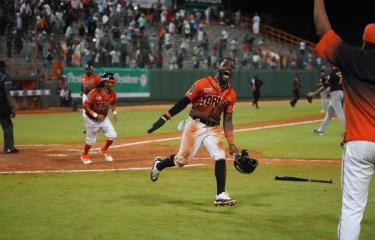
(7, 125)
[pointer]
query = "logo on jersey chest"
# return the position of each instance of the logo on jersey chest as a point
(212, 100)
(207, 90)
(102, 105)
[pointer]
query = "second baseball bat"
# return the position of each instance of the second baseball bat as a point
(298, 179)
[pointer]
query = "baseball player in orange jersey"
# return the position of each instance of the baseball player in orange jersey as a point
(96, 107)
(358, 70)
(210, 97)
(89, 81)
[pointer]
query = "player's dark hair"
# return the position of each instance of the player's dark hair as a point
(100, 85)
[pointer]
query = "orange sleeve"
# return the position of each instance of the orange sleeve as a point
(327, 45)
(196, 89)
(114, 100)
(91, 97)
(88, 103)
(233, 100)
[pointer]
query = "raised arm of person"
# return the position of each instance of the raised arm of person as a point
(322, 24)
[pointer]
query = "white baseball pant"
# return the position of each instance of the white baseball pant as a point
(334, 107)
(356, 173)
(194, 135)
(93, 127)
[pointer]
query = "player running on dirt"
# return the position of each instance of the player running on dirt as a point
(96, 107)
(210, 97)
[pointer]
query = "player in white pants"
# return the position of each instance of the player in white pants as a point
(358, 68)
(97, 105)
(334, 107)
(211, 97)
(357, 171)
(334, 84)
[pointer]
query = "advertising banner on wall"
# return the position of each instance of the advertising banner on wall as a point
(131, 83)
(201, 4)
(148, 4)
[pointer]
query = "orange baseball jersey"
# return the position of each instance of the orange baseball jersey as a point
(358, 84)
(100, 102)
(208, 101)
(89, 82)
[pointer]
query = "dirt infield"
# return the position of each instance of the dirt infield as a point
(134, 152)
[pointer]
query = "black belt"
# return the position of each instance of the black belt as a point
(210, 123)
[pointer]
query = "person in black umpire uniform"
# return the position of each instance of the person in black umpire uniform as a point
(7, 109)
(255, 85)
(296, 86)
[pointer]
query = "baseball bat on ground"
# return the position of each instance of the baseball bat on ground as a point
(297, 179)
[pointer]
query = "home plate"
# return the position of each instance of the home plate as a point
(57, 155)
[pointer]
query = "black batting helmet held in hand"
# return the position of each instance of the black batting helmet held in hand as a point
(244, 164)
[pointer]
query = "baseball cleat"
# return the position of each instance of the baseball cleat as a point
(154, 172)
(318, 132)
(106, 154)
(223, 199)
(11, 151)
(86, 159)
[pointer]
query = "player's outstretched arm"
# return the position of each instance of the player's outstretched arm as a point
(114, 113)
(322, 24)
(228, 132)
(158, 123)
(178, 107)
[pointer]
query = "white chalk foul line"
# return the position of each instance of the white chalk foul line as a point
(177, 138)
(238, 130)
(89, 170)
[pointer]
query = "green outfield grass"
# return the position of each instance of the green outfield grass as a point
(291, 142)
(127, 205)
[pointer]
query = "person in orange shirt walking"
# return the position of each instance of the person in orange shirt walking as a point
(210, 97)
(358, 70)
(96, 107)
(89, 81)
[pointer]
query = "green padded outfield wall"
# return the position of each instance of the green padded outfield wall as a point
(162, 85)
(172, 85)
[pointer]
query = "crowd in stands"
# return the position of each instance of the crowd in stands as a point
(118, 33)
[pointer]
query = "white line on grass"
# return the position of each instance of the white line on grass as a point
(89, 170)
(146, 142)
(238, 130)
